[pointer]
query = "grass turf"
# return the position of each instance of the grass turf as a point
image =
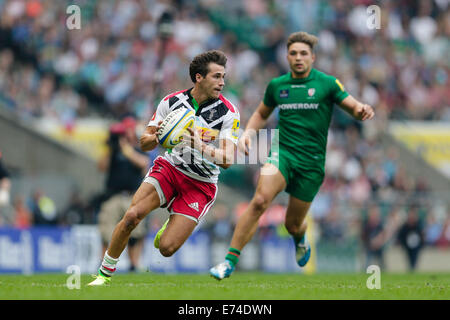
(241, 286)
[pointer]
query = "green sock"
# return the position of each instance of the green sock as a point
(233, 256)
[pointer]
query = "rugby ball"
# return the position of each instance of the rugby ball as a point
(174, 125)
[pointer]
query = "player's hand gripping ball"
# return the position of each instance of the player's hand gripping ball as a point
(173, 127)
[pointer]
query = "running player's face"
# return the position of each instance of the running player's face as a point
(212, 84)
(300, 58)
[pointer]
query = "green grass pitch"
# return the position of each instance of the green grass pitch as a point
(241, 286)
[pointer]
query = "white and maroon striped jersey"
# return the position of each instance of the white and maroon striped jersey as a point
(217, 118)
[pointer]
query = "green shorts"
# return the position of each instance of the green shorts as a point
(303, 180)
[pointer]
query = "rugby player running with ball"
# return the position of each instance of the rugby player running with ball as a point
(305, 98)
(185, 179)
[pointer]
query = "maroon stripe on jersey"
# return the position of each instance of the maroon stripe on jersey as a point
(227, 103)
(174, 94)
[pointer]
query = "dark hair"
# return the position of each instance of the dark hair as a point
(200, 62)
(303, 37)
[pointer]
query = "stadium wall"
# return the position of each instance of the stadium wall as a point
(33, 155)
(51, 249)
(418, 167)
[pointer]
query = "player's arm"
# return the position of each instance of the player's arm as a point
(136, 158)
(223, 156)
(149, 139)
(356, 109)
(103, 162)
(257, 121)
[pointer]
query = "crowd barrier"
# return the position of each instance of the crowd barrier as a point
(54, 249)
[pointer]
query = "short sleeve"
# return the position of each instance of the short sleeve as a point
(161, 112)
(337, 90)
(269, 96)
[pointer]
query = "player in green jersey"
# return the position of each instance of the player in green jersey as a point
(305, 98)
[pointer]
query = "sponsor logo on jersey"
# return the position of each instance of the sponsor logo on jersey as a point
(208, 134)
(284, 93)
(235, 128)
(299, 106)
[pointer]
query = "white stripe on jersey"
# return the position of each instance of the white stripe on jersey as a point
(182, 166)
(215, 104)
(183, 99)
(212, 124)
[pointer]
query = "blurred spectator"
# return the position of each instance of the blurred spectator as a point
(373, 237)
(393, 223)
(125, 165)
(433, 230)
(42, 208)
(332, 228)
(411, 237)
(444, 239)
(272, 219)
(5, 184)
(75, 211)
(23, 218)
(5, 187)
(221, 227)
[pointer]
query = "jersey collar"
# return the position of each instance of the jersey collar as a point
(195, 104)
(311, 76)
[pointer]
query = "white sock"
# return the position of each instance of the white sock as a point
(108, 265)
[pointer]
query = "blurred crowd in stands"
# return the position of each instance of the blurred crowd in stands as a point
(128, 54)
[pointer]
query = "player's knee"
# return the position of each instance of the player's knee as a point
(167, 249)
(260, 203)
(131, 219)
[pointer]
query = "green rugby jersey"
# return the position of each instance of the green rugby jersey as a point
(305, 110)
